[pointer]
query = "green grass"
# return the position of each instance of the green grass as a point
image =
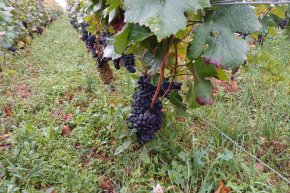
(58, 79)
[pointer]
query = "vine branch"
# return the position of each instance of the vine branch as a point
(162, 72)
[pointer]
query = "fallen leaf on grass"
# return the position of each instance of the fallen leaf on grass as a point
(5, 146)
(8, 111)
(284, 166)
(228, 86)
(23, 91)
(260, 152)
(260, 167)
(222, 188)
(67, 117)
(106, 184)
(100, 155)
(277, 147)
(78, 146)
(66, 131)
(4, 137)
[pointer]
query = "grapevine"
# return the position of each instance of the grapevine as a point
(189, 40)
(19, 20)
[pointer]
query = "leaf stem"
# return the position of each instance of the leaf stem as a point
(175, 70)
(179, 75)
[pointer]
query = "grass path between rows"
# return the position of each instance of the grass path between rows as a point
(62, 130)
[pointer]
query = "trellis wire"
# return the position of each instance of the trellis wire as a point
(231, 2)
(244, 150)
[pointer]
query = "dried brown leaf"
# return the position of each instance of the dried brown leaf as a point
(66, 131)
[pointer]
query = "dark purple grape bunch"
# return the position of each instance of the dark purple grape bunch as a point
(167, 87)
(94, 52)
(85, 33)
(74, 23)
(129, 62)
(116, 63)
(144, 120)
(283, 23)
(90, 41)
(103, 40)
(25, 24)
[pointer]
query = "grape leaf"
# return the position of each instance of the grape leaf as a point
(200, 93)
(123, 147)
(152, 59)
(114, 4)
(176, 100)
(215, 39)
(130, 34)
(163, 17)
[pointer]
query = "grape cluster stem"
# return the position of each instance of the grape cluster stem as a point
(162, 73)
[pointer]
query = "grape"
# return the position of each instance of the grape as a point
(175, 86)
(39, 30)
(144, 120)
(85, 36)
(103, 40)
(74, 24)
(129, 62)
(283, 23)
(94, 54)
(85, 33)
(90, 41)
(12, 49)
(117, 63)
(24, 23)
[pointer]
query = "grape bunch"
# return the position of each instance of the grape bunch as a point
(94, 52)
(25, 24)
(129, 62)
(283, 23)
(74, 23)
(100, 42)
(90, 41)
(85, 35)
(167, 87)
(103, 40)
(144, 120)
(116, 63)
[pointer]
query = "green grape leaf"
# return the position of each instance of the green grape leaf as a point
(176, 100)
(267, 21)
(130, 34)
(215, 39)
(200, 93)
(279, 10)
(163, 17)
(152, 59)
(114, 5)
(154, 79)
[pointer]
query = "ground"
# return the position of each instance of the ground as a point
(62, 130)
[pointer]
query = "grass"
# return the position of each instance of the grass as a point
(56, 85)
